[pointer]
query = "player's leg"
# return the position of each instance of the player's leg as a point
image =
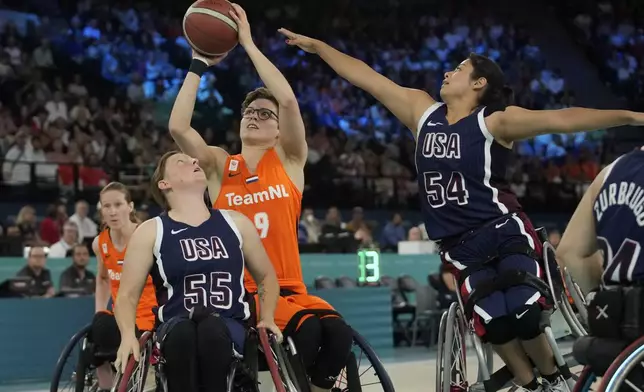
(525, 304)
(335, 345)
(308, 335)
(106, 337)
(493, 323)
(179, 349)
(217, 337)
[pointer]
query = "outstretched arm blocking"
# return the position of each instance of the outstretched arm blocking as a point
(516, 123)
(406, 104)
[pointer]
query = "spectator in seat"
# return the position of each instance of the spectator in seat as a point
(42, 285)
(50, 226)
(554, 236)
(92, 175)
(57, 108)
(87, 229)
(15, 169)
(415, 234)
(42, 56)
(67, 241)
(76, 279)
(26, 224)
(443, 282)
(392, 234)
(312, 226)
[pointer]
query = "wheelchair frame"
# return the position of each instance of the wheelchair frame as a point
(286, 369)
(454, 327)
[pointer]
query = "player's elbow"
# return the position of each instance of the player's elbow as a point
(288, 103)
(565, 254)
(178, 128)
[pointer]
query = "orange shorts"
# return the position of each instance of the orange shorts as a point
(289, 305)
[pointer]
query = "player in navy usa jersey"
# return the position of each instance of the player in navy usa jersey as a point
(196, 256)
(463, 149)
(602, 249)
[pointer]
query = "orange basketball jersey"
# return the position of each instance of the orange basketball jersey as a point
(113, 261)
(273, 203)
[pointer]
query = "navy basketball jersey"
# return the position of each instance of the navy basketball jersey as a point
(199, 266)
(619, 220)
(461, 173)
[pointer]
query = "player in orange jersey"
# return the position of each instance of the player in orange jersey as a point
(265, 183)
(109, 246)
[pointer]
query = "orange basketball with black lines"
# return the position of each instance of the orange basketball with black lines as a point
(209, 28)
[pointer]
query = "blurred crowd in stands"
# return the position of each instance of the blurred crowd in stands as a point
(85, 99)
(613, 34)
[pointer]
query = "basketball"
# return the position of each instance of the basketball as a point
(208, 27)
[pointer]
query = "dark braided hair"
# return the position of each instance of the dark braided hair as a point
(497, 95)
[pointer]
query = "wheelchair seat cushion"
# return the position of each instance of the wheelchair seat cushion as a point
(598, 353)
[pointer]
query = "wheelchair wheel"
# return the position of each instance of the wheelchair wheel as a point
(586, 380)
(364, 370)
(439, 352)
(135, 375)
(73, 371)
(453, 368)
(626, 370)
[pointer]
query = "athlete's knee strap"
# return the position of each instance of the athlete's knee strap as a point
(526, 321)
(499, 331)
(502, 282)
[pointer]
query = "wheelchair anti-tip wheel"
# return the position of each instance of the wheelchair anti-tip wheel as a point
(451, 366)
(73, 370)
(135, 374)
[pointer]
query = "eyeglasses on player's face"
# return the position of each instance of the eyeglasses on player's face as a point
(262, 113)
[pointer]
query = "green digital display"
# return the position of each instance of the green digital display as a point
(368, 266)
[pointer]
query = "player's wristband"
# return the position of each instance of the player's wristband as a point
(198, 67)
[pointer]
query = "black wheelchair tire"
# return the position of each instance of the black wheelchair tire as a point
(378, 367)
(60, 364)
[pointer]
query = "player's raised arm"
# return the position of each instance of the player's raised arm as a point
(136, 268)
(516, 123)
(407, 104)
(102, 293)
(186, 137)
(292, 134)
(577, 249)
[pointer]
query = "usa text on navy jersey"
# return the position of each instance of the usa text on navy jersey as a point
(199, 266)
(461, 173)
(619, 220)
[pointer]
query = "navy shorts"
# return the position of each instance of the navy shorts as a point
(485, 243)
(237, 331)
(236, 328)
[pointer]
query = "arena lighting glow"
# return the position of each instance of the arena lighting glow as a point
(368, 266)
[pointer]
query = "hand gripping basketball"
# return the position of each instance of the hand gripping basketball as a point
(305, 43)
(243, 27)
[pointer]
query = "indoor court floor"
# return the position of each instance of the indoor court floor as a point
(411, 370)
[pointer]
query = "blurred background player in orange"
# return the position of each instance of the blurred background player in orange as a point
(109, 246)
(265, 183)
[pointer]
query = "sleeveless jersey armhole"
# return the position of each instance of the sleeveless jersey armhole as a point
(609, 169)
(229, 219)
(426, 115)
